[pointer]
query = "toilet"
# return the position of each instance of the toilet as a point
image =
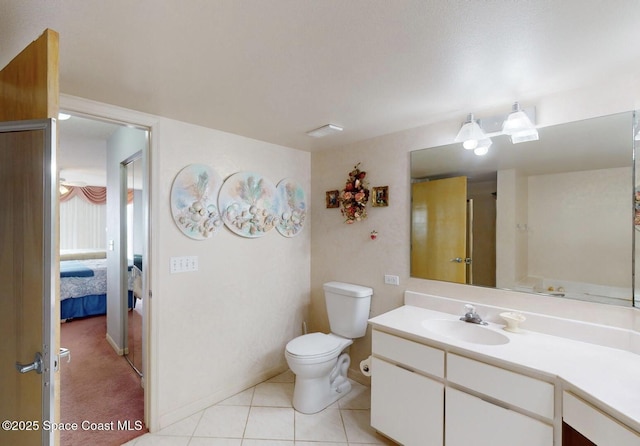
(317, 359)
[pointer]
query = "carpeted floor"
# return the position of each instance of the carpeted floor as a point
(100, 392)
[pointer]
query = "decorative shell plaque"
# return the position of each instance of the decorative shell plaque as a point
(193, 201)
(292, 207)
(248, 204)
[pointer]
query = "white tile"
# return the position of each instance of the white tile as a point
(250, 442)
(160, 440)
(322, 426)
(222, 421)
(358, 398)
(358, 427)
(270, 423)
(239, 399)
(273, 395)
(183, 427)
(284, 377)
(315, 443)
(203, 441)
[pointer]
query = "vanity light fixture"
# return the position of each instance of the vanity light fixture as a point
(324, 130)
(518, 126)
(471, 134)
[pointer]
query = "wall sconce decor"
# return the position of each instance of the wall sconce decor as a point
(519, 125)
(332, 199)
(470, 133)
(380, 196)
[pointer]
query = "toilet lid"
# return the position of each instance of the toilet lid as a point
(314, 344)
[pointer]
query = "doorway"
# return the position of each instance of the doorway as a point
(119, 165)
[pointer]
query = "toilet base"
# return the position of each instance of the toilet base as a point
(311, 395)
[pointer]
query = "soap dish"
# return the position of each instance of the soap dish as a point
(513, 320)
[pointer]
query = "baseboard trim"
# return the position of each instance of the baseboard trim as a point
(119, 351)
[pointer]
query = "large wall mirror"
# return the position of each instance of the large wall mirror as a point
(553, 216)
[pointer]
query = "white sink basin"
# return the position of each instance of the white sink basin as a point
(465, 331)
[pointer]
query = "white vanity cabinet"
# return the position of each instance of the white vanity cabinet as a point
(414, 402)
(595, 425)
(490, 405)
(407, 392)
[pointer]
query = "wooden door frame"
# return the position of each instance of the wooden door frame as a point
(29, 88)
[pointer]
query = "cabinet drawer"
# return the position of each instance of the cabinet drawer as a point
(415, 356)
(472, 421)
(595, 425)
(513, 388)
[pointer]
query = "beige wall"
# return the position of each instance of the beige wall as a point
(345, 253)
(224, 328)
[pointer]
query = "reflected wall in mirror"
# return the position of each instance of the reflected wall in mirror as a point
(134, 267)
(553, 216)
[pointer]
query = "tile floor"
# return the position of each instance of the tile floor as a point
(263, 416)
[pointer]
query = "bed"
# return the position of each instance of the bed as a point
(83, 285)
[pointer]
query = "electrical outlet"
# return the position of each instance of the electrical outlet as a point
(391, 280)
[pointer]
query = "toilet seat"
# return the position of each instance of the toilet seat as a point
(316, 346)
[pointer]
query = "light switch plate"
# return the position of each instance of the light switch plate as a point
(184, 264)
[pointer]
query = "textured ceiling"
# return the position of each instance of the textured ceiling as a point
(273, 69)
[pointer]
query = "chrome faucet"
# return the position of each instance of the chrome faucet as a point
(471, 316)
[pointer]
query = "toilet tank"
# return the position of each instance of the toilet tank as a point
(348, 308)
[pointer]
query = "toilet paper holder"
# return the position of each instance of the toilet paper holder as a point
(365, 366)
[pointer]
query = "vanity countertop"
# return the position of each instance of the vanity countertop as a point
(607, 377)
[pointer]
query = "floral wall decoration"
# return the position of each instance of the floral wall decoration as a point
(193, 201)
(292, 208)
(248, 204)
(354, 197)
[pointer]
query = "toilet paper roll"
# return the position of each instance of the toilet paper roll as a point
(365, 366)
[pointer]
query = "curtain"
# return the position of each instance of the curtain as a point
(82, 224)
(91, 194)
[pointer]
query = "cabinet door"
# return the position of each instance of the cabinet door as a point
(405, 406)
(470, 420)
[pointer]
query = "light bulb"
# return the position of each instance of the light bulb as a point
(470, 144)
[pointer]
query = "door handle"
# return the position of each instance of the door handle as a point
(35, 365)
(461, 260)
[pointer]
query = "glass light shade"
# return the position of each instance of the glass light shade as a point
(524, 136)
(470, 134)
(519, 127)
(517, 121)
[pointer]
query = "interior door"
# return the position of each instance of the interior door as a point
(439, 230)
(29, 327)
